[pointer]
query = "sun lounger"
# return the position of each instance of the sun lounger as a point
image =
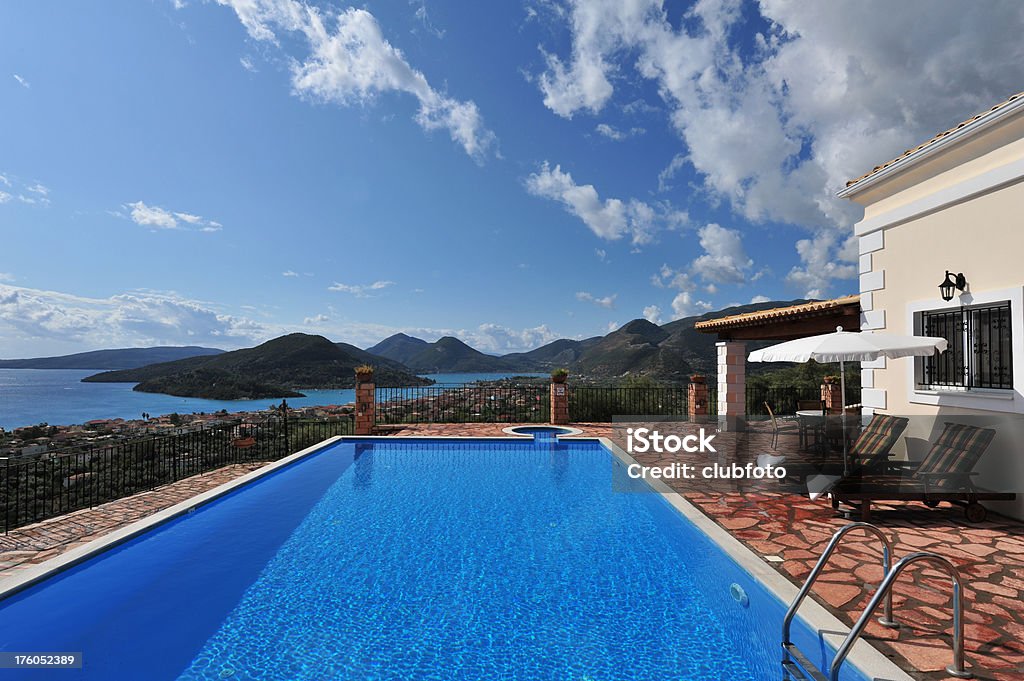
(945, 474)
(869, 452)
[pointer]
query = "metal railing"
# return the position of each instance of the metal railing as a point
(600, 403)
(887, 552)
(956, 669)
(465, 403)
(783, 400)
(60, 482)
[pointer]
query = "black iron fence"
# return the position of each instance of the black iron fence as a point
(465, 403)
(61, 482)
(783, 400)
(600, 403)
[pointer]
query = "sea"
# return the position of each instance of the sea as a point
(58, 397)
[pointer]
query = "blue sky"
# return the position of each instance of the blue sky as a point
(221, 172)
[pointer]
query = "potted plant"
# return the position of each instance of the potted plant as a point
(364, 373)
(829, 380)
(559, 375)
(697, 378)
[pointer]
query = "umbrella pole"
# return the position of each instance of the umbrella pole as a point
(842, 390)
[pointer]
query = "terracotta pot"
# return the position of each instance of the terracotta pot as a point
(558, 379)
(697, 378)
(364, 378)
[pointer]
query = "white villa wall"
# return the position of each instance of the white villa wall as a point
(961, 210)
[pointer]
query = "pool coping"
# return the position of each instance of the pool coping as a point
(865, 657)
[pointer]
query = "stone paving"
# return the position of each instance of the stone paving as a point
(789, 527)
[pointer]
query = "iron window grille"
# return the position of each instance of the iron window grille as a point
(979, 353)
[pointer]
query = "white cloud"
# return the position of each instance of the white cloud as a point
(161, 218)
(154, 216)
(669, 172)
(22, 82)
(609, 219)
(759, 299)
(613, 133)
(495, 338)
(828, 91)
(6, 276)
(360, 290)
(189, 218)
(652, 313)
(350, 62)
(601, 254)
(247, 64)
(38, 188)
(607, 302)
(424, 18)
(822, 262)
(684, 305)
(40, 321)
(4, 181)
(289, 273)
(317, 320)
(4, 197)
(724, 260)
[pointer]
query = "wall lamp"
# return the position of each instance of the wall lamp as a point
(953, 283)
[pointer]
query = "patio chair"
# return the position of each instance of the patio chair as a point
(779, 426)
(806, 405)
(945, 474)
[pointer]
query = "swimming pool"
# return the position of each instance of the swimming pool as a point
(414, 559)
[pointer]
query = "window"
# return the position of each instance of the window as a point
(979, 353)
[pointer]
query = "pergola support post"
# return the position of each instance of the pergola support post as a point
(732, 385)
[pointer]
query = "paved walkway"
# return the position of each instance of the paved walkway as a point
(776, 525)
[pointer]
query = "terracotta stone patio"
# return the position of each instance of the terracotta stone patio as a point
(783, 526)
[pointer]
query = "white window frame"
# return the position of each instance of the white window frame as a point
(987, 399)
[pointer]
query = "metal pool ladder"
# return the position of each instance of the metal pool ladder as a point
(797, 665)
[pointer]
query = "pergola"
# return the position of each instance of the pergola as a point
(776, 324)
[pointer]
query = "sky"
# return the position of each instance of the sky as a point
(222, 172)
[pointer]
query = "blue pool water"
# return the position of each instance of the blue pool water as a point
(414, 559)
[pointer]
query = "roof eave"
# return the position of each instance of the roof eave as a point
(901, 164)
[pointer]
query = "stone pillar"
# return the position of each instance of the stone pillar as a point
(832, 396)
(559, 404)
(366, 407)
(732, 384)
(697, 398)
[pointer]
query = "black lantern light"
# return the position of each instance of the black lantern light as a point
(953, 283)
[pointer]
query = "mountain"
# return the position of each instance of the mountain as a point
(120, 358)
(446, 355)
(670, 352)
(563, 352)
(631, 349)
(400, 348)
(277, 368)
(450, 355)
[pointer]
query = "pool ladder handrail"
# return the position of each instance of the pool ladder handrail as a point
(956, 669)
(790, 650)
(887, 552)
(884, 591)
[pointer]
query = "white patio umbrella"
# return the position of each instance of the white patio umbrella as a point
(847, 346)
